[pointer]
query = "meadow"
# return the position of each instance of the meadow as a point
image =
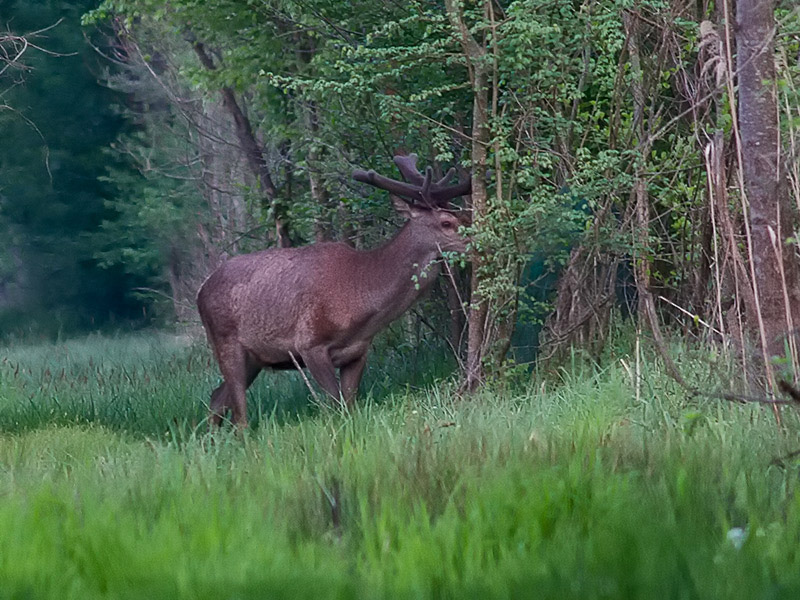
(585, 481)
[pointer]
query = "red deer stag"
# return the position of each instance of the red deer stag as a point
(319, 306)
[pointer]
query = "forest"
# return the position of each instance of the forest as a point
(597, 398)
(622, 164)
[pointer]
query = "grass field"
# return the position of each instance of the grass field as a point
(570, 486)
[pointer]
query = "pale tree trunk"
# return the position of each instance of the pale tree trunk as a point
(774, 266)
(252, 150)
(323, 228)
(477, 319)
(323, 231)
(223, 172)
(478, 65)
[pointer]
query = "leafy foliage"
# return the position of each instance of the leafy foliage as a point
(242, 121)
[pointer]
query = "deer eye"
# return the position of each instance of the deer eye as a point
(448, 225)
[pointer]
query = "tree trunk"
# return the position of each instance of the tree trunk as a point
(479, 307)
(476, 55)
(323, 230)
(774, 266)
(251, 149)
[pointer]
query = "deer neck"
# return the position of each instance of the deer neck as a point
(402, 269)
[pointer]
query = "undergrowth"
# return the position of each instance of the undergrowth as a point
(584, 482)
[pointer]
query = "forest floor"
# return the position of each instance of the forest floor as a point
(588, 481)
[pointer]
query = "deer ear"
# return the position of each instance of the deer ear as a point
(403, 208)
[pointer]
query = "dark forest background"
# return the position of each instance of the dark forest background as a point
(58, 124)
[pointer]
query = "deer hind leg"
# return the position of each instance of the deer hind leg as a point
(239, 370)
(218, 405)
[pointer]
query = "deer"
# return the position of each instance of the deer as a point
(319, 306)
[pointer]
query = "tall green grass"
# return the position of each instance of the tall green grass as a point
(567, 487)
(154, 383)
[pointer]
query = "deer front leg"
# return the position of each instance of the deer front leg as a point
(318, 362)
(350, 375)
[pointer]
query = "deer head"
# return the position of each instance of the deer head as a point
(419, 199)
(319, 306)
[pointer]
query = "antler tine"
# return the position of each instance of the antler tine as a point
(407, 190)
(407, 165)
(447, 177)
(417, 187)
(425, 188)
(442, 196)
